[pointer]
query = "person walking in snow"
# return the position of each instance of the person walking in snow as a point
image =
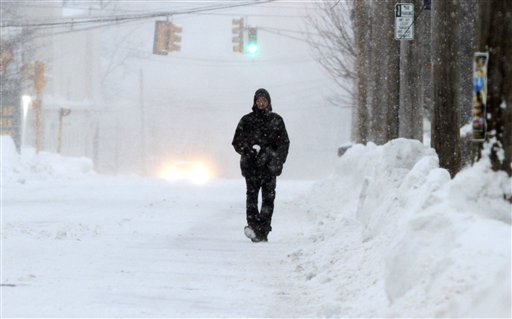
(262, 141)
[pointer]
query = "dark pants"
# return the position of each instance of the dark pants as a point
(260, 221)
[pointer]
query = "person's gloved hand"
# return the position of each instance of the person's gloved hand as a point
(263, 157)
(249, 152)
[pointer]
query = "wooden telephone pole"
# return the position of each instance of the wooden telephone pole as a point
(445, 118)
(38, 84)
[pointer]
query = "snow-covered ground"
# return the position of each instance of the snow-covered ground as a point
(389, 234)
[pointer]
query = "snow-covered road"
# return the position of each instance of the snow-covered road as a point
(129, 247)
(388, 235)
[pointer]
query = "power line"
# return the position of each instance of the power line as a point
(132, 17)
(277, 32)
(146, 55)
(145, 11)
(287, 30)
(256, 15)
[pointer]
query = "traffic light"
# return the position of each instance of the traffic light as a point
(167, 37)
(252, 41)
(174, 37)
(161, 40)
(238, 35)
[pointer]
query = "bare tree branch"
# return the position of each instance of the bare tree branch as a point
(333, 45)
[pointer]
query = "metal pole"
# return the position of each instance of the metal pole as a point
(142, 123)
(38, 84)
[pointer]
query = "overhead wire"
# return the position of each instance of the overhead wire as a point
(102, 22)
(216, 62)
(299, 90)
(245, 14)
(120, 19)
(131, 17)
(274, 31)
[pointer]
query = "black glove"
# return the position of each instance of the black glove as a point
(249, 152)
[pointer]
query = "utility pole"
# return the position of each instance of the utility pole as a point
(411, 108)
(392, 75)
(446, 114)
(37, 104)
(142, 123)
(62, 113)
(362, 33)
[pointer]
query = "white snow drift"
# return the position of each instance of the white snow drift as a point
(396, 237)
(389, 234)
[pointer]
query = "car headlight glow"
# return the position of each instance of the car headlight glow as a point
(195, 172)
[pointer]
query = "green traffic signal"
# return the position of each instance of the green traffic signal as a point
(252, 41)
(252, 48)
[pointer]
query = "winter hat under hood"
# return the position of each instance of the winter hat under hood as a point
(257, 94)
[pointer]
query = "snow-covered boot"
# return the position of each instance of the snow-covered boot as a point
(249, 233)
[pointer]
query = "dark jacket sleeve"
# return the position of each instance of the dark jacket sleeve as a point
(242, 147)
(282, 145)
(240, 140)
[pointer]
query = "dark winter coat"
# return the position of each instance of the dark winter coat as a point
(266, 129)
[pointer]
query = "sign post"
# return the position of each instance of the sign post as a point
(404, 21)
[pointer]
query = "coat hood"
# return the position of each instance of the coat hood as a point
(257, 94)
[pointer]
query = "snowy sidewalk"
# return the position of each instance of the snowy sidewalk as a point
(107, 247)
(388, 235)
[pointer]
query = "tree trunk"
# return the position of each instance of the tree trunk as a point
(384, 74)
(378, 106)
(495, 34)
(362, 32)
(446, 118)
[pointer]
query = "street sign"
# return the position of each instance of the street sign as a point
(404, 21)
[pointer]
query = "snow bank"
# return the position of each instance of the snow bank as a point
(392, 231)
(42, 166)
(455, 249)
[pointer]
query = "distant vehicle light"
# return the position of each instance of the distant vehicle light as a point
(195, 172)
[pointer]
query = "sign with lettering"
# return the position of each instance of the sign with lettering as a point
(404, 21)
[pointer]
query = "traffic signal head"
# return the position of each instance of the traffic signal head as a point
(238, 35)
(174, 37)
(252, 41)
(161, 41)
(167, 37)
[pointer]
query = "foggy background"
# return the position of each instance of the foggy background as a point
(150, 110)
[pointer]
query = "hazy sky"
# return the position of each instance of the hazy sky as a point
(194, 98)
